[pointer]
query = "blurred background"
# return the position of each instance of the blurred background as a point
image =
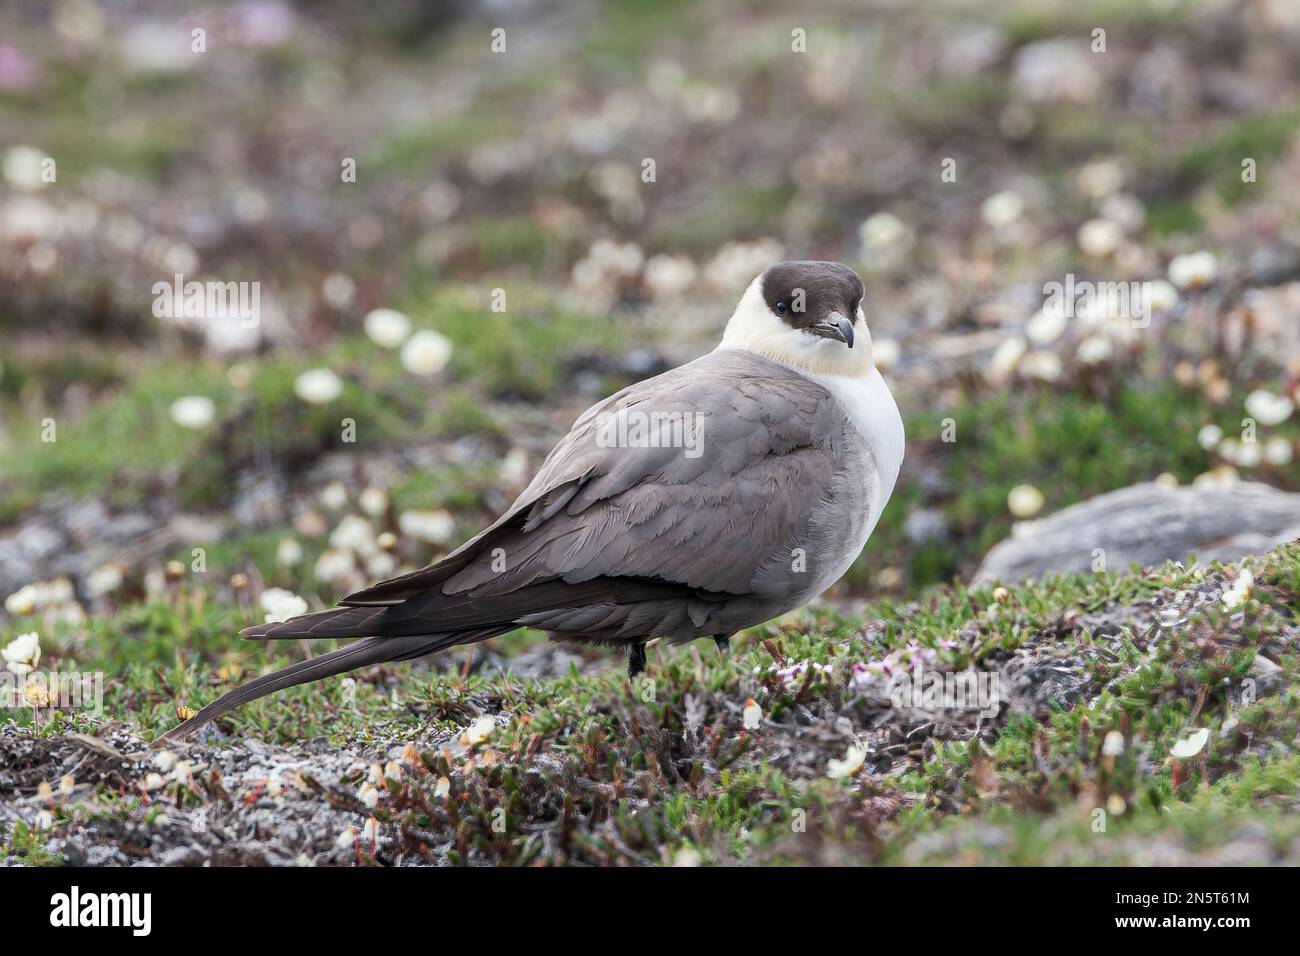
(614, 174)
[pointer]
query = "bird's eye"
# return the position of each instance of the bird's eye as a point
(782, 308)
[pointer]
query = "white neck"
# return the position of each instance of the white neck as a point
(755, 328)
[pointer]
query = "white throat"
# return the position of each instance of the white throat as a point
(755, 328)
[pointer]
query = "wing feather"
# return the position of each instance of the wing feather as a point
(706, 522)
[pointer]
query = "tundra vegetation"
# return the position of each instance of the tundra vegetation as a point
(452, 251)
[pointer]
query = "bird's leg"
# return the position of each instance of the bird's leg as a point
(723, 642)
(635, 659)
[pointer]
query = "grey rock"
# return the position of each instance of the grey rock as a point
(1148, 524)
(183, 856)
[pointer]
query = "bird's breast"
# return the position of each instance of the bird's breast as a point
(871, 455)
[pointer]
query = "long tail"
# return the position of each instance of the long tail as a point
(371, 650)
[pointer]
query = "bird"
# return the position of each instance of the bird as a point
(697, 503)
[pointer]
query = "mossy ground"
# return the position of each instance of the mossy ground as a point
(583, 766)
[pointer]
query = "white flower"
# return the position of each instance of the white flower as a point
(1221, 476)
(44, 820)
(347, 838)
(426, 353)
(288, 553)
(1166, 480)
(23, 653)
(105, 579)
(381, 565)
(1277, 451)
(184, 773)
(1099, 178)
(667, 277)
(368, 794)
(356, 534)
(334, 496)
(737, 263)
(1094, 350)
(1113, 745)
(1002, 209)
(337, 289)
(1044, 366)
(1191, 745)
(1239, 592)
(370, 832)
(23, 601)
(752, 714)
(280, 605)
(1267, 408)
(165, 761)
(193, 411)
(373, 501)
(387, 328)
(851, 764)
(1243, 454)
(1161, 295)
(882, 233)
(318, 386)
(1005, 357)
(480, 730)
(1024, 501)
(1193, 270)
(1209, 437)
(1099, 237)
(154, 781)
(442, 788)
(435, 527)
(24, 167)
(1046, 325)
(335, 563)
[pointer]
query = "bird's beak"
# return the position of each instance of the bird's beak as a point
(836, 326)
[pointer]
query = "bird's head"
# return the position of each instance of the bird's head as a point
(807, 315)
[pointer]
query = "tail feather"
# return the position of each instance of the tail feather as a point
(371, 650)
(334, 622)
